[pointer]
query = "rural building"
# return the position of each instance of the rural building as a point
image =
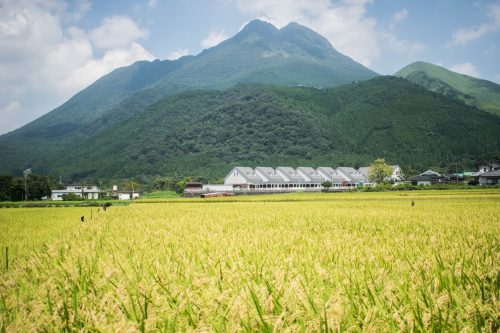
(352, 177)
(293, 180)
(489, 167)
(123, 195)
(428, 178)
(86, 192)
(289, 179)
(331, 175)
(311, 176)
(193, 187)
(271, 180)
(490, 178)
(217, 188)
(243, 178)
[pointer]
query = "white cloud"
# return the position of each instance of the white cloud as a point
(401, 15)
(466, 68)
(177, 54)
(463, 36)
(152, 3)
(116, 32)
(43, 62)
(392, 42)
(214, 37)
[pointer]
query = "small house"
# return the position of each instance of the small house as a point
(490, 178)
(429, 177)
(85, 192)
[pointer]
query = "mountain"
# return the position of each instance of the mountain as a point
(482, 94)
(206, 132)
(259, 53)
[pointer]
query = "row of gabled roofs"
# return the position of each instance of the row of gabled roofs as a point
(308, 175)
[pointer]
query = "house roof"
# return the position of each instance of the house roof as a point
(331, 173)
(352, 173)
(430, 177)
(430, 173)
(249, 174)
(491, 174)
(365, 171)
(311, 173)
(291, 174)
(270, 174)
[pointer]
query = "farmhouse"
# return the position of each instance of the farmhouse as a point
(490, 178)
(489, 167)
(123, 195)
(86, 192)
(427, 178)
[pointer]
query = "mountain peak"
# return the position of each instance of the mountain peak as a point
(259, 26)
(470, 90)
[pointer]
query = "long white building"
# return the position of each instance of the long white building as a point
(290, 179)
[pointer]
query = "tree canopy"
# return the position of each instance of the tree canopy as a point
(379, 171)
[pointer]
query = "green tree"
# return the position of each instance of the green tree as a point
(379, 171)
(326, 184)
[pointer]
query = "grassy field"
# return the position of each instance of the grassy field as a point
(297, 262)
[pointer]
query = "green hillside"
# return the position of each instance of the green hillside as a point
(482, 94)
(207, 132)
(259, 53)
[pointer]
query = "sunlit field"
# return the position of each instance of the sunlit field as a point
(297, 262)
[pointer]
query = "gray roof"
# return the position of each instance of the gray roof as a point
(270, 174)
(430, 173)
(311, 173)
(331, 173)
(249, 174)
(491, 174)
(291, 174)
(365, 171)
(352, 173)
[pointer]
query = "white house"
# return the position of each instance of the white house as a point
(87, 192)
(489, 167)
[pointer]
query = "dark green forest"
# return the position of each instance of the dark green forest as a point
(206, 133)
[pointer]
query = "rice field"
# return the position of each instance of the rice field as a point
(281, 263)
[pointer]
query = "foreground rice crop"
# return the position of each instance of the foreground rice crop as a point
(301, 262)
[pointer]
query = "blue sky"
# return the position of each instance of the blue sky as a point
(51, 49)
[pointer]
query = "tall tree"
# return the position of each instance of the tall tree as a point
(379, 171)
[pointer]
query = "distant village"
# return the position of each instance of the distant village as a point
(287, 179)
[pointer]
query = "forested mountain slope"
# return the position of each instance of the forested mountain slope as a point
(207, 132)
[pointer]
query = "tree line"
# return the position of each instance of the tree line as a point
(33, 187)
